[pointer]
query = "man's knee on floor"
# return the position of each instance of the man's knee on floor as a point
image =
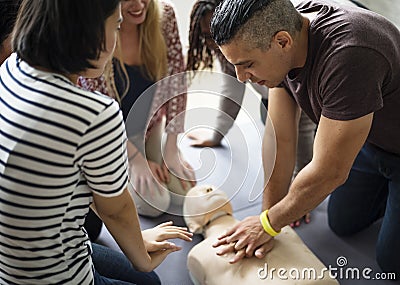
(337, 223)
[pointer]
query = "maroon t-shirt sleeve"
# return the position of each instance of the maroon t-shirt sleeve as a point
(351, 84)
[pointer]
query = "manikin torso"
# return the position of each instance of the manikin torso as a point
(285, 264)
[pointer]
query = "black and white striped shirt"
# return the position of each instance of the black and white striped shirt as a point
(58, 144)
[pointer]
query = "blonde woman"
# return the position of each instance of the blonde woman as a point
(150, 51)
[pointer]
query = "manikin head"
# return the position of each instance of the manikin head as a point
(204, 203)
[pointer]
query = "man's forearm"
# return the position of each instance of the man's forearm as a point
(336, 146)
(278, 164)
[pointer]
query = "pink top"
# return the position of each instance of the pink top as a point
(171, 87)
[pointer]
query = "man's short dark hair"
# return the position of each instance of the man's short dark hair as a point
(8, 15)
(255, 21)
(233, 15)
(62, 35)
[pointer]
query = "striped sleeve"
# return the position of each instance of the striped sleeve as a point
(102, 154)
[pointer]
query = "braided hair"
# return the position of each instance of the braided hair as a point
(199, 54)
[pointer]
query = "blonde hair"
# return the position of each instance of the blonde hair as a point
(152, 50)
(152, 46)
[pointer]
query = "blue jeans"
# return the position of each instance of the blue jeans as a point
(371, 191)
(113, 268)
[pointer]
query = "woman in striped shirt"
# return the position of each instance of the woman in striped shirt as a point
(63, 149)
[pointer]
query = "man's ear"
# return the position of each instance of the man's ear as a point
(283, 39)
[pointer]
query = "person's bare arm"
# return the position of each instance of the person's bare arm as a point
(120, 216)
(280, 131)
(284, 116)
(279, 145)
(336, 146)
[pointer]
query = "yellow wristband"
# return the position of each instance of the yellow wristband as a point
(266, 224)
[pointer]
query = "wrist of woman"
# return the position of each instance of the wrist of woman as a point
(171, 149)
(171, 143)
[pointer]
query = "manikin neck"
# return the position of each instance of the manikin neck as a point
(218, 224)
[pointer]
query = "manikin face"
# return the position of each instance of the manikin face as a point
(134, 11)
(201, 203)
(112, 26)
(267, 67)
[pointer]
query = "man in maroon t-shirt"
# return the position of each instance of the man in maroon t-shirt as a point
(341, 65)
